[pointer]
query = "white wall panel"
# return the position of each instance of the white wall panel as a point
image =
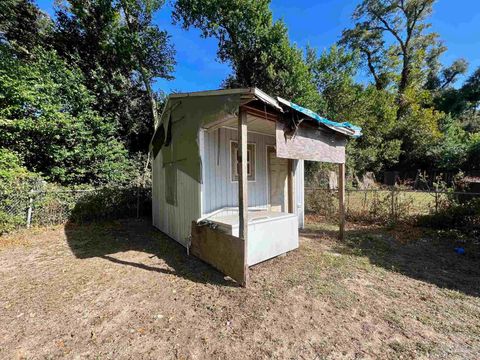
(219, 190)
(175, 221)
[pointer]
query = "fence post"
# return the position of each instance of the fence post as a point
(138, 202)
(348, 201)
(392, 210)
(30, 208)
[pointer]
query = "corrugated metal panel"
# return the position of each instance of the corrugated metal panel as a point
(175, 221)
(299, 191)
(345, 128)
(219, 190)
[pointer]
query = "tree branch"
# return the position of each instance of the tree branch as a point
(389, 28)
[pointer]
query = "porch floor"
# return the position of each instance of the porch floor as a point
(254, 216)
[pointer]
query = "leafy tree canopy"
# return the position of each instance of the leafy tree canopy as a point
(257, 48)
(120, 52)
(46, 117)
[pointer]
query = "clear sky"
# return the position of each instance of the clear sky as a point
(317, 23)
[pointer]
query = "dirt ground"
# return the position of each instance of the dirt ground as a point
(122, 290)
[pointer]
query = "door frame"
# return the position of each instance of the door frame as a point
(290, 181)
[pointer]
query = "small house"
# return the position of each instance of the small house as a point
(228, 173)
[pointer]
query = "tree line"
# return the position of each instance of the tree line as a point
(78, 105)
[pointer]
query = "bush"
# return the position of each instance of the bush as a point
(112, 203)
(15, 183)
(55, 204)
(464, 216)
(322, 202)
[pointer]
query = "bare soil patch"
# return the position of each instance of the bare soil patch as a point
(123, 290)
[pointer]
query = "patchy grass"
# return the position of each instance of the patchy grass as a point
(123, 290)
(374, 205)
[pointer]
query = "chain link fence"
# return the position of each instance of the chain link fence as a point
(385, 205)
(48, 207)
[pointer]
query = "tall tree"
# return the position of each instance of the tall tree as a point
(151, 54)
(372, 108)
(257, 48)
(471, 91)
(46, 117)
(22, 25)
(121, 52)
(392, 35)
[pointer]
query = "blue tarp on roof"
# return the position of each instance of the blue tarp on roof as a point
(352, 130)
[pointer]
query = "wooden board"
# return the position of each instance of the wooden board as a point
(278, 182)
(243, 188)
(341, 200)
(310, 143)
(223, 251)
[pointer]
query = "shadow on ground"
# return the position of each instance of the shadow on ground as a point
(425, 258)
(107, 239)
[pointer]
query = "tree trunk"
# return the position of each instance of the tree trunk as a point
(141, 68)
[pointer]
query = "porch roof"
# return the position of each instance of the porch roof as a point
(280, 105)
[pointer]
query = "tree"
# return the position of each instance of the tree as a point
(254, 45)
(46, 117)
(372, 108)
(121, 53)
(462, 103)
(333, 75)
(412, 50)
(451, 152)
(151, 54)
(471, 91)
(22, 25)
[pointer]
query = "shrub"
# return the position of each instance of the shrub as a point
(15, 182)
(111, 203)
(461, 216)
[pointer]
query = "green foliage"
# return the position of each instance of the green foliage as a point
(77, 105)
(46, 116)
(465, 217)
(403, 58)
(120, 53)
(15, 182)
(451, 152)
(473, 157)
(23, 25)
(111, 203)
(378, 149)
(344, 100)
(256, 46)
(471, 89)
(392, 37)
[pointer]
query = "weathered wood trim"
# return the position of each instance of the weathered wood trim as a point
(341, 200)
(291, 189)
(265, 115)
(224, 252)
(308, 143)
(243, 186)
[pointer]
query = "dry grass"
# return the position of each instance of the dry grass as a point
(122, 290)
(374, 205)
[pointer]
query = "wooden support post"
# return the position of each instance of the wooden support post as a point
(243, 186)
(341, 200)
(291, 188)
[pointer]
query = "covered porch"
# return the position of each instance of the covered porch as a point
(256, 213)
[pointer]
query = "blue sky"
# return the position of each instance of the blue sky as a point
(317, 23)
